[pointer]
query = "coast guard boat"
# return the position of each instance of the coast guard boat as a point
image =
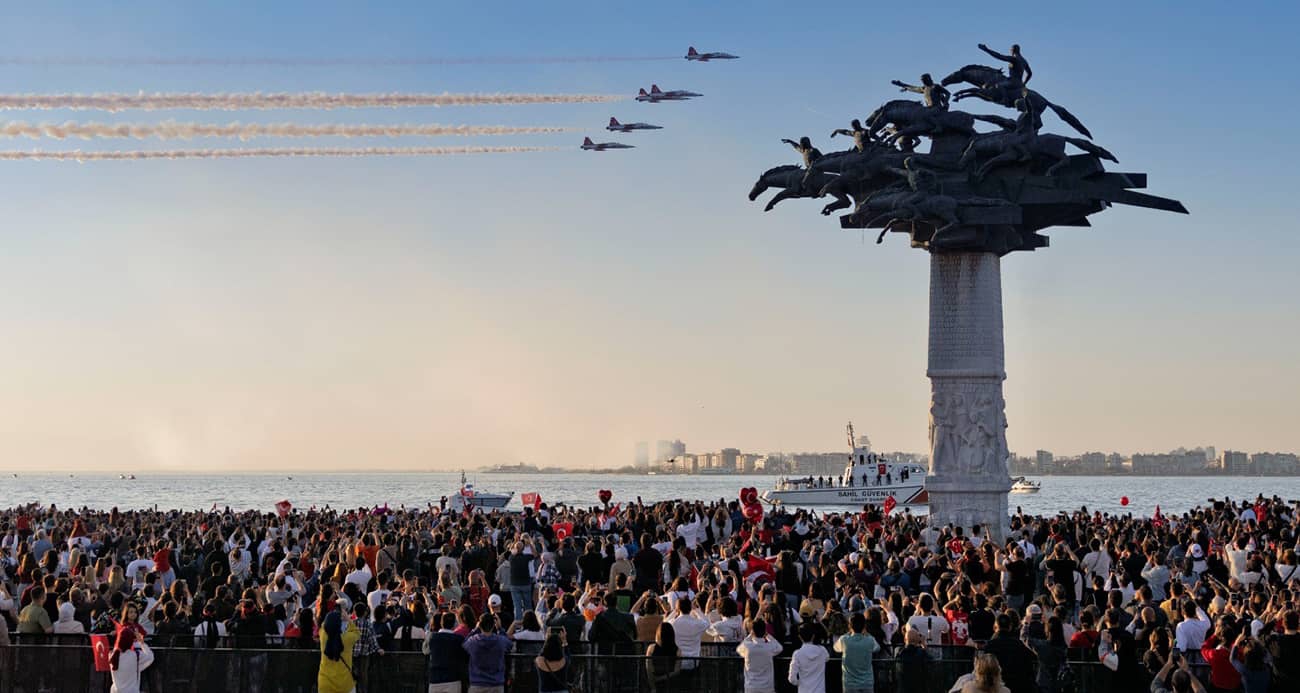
(1022, 485)
(477, 499)
(867, 478)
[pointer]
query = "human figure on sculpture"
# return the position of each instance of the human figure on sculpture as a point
(809, 153)
(934, 95)
(861, 136)
(1018, 71)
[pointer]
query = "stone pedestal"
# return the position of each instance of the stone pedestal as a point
(968, 481)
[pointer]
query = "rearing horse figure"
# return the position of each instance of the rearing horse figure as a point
(791, 178)
(992, 85)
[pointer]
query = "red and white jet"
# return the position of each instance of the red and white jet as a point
(615, 126)
(590, 146)
(656, 95)
(692, 54)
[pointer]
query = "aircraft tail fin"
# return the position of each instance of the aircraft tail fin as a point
(691, 51)
(587, 140)
(613, 121)
(654, 89)
(641, 91)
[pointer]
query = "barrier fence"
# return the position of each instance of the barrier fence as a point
(26, 667)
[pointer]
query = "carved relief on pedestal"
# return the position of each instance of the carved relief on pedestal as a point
(968, 428)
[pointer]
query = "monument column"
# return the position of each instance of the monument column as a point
(968, 481)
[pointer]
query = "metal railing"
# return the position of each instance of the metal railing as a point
(58, 668)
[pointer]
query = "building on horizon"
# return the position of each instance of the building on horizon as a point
(641, 459)
(668, 449)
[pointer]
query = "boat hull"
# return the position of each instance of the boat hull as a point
(482, 501)
(903, 494)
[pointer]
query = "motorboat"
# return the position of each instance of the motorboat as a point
(469, 497)
(1022, 485)
(867, 478)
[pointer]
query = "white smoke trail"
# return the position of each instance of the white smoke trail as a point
(417, 61)
(171, 130)
(263, 101)
(260, 153)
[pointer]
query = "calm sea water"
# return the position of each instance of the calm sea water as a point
(261, 491)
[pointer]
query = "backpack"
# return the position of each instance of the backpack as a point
(1067, 680)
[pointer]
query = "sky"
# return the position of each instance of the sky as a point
(557, 307)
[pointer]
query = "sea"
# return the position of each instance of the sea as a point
(354, 490)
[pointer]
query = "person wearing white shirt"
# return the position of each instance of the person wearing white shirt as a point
(808, 664)
(687, 629)
(131, 658)
(726, 623)
(1097, 562)
(1189, 634)
(928, 623)
(758, 650)
(209, 633)
(360, 576)
(137, 569)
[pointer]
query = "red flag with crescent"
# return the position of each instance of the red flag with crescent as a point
(890, 504)
(283, 508)
(562, 530)
(531, 500)
(103, 650)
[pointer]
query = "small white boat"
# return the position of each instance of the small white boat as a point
(868, 478)
(1022, 485)
(476, 499)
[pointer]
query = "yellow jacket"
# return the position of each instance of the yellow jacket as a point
(336, 676)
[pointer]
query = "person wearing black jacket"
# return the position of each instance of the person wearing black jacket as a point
(1284, 649)
(1015, 658)
(612, 628)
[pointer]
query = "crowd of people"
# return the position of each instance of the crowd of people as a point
(1206, 600)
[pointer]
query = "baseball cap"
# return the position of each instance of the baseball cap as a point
(1035, 610)
(1197, 552)
(494, 600)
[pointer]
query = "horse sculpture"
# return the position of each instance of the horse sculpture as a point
(992, 85)
(1007, 147)
(795, 181)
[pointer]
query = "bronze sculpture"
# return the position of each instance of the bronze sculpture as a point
(970, 191)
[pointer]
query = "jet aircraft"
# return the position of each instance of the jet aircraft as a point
(656, 95)
(615, 126)
(590, 146)
(692, 54)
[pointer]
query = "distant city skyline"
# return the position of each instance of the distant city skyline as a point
(556, 307)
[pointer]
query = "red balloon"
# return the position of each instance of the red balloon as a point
(1124, 501)
(605, 495)
(748, 495)
(754, 512)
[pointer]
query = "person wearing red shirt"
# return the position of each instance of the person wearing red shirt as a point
(1087, 636)
(162, 564)
(1223, 675)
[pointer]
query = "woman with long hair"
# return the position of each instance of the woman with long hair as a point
(553, 665)
(130, 657)
(338, 636)
(987, 677)
(661, 659)
(526, 628)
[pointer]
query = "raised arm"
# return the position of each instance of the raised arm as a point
(903, 86)
(842, 131)
(999, 56)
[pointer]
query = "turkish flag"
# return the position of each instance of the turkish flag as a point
(890, 504)
(533, 500)
(283, 507)
(759, 565)
(1261, 512)
(1158, 520)
(880, 469)
(562, 530)
(103, 650)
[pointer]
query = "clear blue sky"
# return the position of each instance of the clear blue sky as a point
(557, 307)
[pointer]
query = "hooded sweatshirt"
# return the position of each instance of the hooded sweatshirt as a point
(68, 622)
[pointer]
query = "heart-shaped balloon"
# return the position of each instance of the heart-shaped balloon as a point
(754, 512)
(748, 495)
(604, 495)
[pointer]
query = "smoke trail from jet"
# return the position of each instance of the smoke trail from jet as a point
(416, 61)
(267, 101)
(142, 155)
(171, 130)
